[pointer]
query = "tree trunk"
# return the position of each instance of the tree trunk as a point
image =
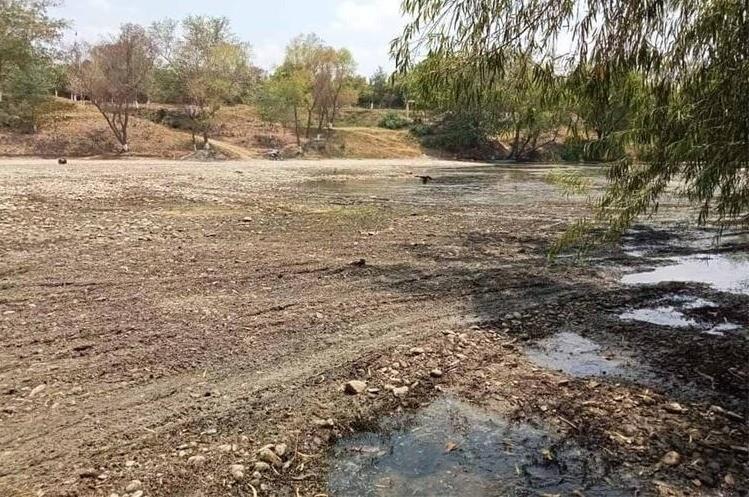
(296, 127)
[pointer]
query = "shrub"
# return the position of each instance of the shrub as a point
(393, 120)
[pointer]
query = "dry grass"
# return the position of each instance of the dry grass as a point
(376, 143)
(77, 130)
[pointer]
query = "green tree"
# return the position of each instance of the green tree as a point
(203, 61)
(27, 34)
(693, 56)
(280, 99)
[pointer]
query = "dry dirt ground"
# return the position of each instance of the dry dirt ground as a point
(163, 322)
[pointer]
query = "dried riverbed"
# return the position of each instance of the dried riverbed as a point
(189, 329)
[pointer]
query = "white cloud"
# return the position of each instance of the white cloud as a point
(368, 16)
(267, 54)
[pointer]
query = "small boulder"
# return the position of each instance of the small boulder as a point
(261, 466)
(416, 351)
(196, 460)
(355, 387)
(280, 449)
(134, 486)
(436, 373)
(237, 471)
(267, 455)
(671, 458)
(400, 391)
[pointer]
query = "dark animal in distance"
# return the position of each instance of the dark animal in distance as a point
(62, 161)
(425, 179)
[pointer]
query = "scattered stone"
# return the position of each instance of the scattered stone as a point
(129, 464)
(88, 473)
(261, 466)
(416, 351)
(267, 455)
(400, 391)
(138, 493)
(671, 458)
(237, 471)
(196, 460)
(134, 486)
(246, 219)
(436, 373)
(355, 387)
(729, 480)
(38, 389)
(226, 448)
(325, 423)
(675, 408)
(280, 449)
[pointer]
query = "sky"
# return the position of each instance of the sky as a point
(363, 26)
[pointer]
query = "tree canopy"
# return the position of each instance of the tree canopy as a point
(691, 55)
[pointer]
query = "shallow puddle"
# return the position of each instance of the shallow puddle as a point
(662, 316)
(724, 272)
(577, 356)
(673, 316)
(452, 449)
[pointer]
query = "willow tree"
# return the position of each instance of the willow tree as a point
(692, 54)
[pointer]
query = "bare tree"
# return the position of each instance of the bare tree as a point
(115, 74)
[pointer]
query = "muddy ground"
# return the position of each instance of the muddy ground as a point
(163, 322)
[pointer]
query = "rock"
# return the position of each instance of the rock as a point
(355, 387)
(196, 460)
(37, 390)
(246, 219)
(88, 473)
(262, 466)
(129, 464)
(237, 471)
(137, 493)
(226, 448)
(400, 391)
(729, 480)
(280, 449)
(675, 408)
(267, 455)
(671, 458)
(436, 373)
(134, 486)
(416, 351)
(325, 423)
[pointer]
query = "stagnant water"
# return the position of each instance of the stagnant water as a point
(579, 356)
(671, 313)
(452, 449)
(724, 272)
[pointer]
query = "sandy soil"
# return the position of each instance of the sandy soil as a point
(163, 322)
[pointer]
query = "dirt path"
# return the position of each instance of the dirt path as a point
(163, 321)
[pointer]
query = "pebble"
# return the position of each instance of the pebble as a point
(262, 466)
(38, 389)
(280, 449)
(269, 456)
(436, 373)
(196, 460)
(416, 351)
(671, 458)
(675, 408)
(134, 486)
(88, 473)
(355, 387)
(400, 391)
(237, 471)
(138, 493)
(729, 480)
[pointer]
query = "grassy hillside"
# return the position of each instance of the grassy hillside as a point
(78, 130)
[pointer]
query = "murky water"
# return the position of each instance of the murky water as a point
(673, 315)
(578, 356)
(662, 316)
(480, 185)
(452, 449)
(724, 272)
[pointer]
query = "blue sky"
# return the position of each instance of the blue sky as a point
(364, 26)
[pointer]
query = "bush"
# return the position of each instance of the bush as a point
(393, 120)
